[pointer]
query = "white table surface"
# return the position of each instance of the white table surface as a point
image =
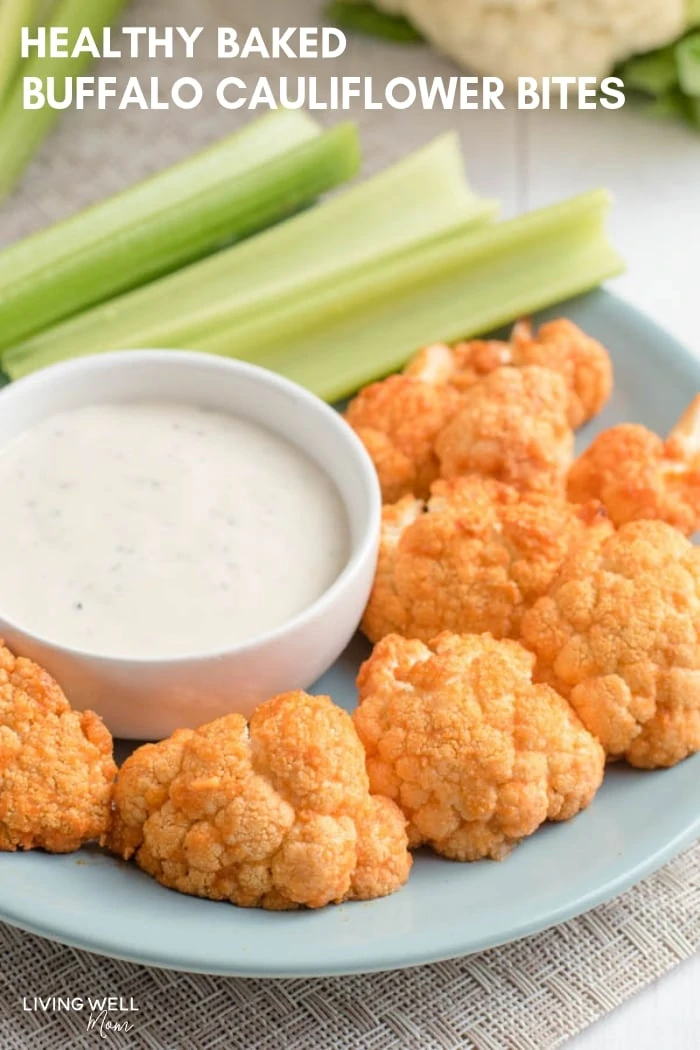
(654, 171)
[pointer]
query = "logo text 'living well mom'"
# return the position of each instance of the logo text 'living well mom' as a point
(104, 1014)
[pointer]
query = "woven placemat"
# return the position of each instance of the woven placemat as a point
(532, 995)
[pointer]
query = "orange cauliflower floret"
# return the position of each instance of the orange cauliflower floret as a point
(474, 753)
(276, 814)
(582, 361)
(56, 767)
(512, 426)
(398, 420)
(472, 559)
(559, 345)
(637, 475)
(619, 637)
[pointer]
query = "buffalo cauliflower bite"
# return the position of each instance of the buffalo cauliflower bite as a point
(638, 476)
(276, 814)
(471, 559)
(582, 362)
(619, 637)
(398, 420)
(56, 767)
(512, 426)
(475, 754)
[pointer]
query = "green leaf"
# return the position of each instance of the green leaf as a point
(365, 18)
(673, 104)
(655, 73)
(687, 53)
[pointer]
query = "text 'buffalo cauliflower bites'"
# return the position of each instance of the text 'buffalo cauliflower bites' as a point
(619, 636)
(512, 426)
(638, 476)
(398, 420)
(276, 814)
(476, 755)
(56, 767)
(472, 559)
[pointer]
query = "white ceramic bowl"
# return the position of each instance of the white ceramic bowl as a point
(147, 699)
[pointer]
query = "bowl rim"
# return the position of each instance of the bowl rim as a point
(364, 548)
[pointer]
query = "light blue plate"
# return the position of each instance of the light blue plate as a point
(637, 822)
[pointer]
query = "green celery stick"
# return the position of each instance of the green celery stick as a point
(13, 15)
(22, 131)
(235, 188)
(422, 199)
(464, 287)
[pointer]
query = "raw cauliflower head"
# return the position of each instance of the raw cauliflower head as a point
(619, 637)
(543, 38)
(471, 559)
(276, 814)
(56, 767)
(638, 475)
(512, 426)
(475, 754)
(398, 420)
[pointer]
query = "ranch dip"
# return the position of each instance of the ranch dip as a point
(160, 530)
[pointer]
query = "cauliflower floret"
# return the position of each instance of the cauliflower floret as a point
(583, 362)
(472, 559)
(398, 420)
(276, 814)
(619, 637)
(638, 475)
(560, 345)
(56, 767)
(461, 365)
(474, 753)
(513, 427)
(539, 38)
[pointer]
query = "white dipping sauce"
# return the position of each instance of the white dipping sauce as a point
(156, 530)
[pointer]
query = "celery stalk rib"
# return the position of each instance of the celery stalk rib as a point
(234, 189)
(468, 287)
(420, 201)
(22, 131)
(13, 15)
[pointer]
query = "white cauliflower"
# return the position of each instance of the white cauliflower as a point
(512, 38)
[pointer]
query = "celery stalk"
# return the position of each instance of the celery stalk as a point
(22, 131)
(464, 287)
(13, 15)
(248, 181)
(422, 199)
